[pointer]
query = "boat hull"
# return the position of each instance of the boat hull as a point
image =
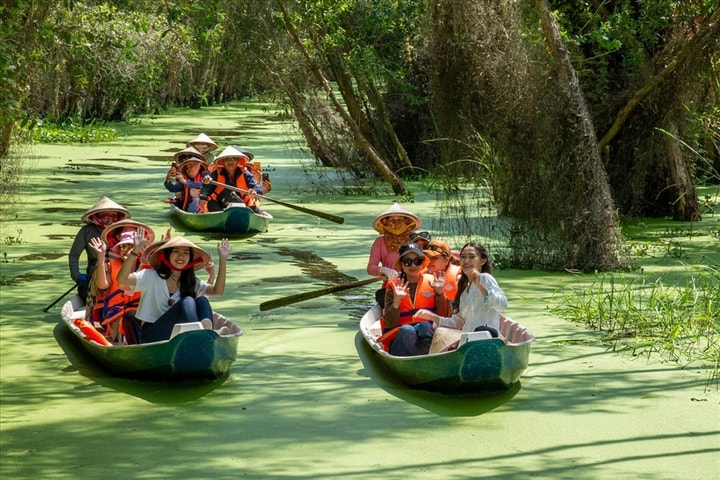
(199, 354)
(236, 218)
(490, 364)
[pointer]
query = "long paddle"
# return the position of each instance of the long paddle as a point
(326, 216)
(60, 297)
(281, 302)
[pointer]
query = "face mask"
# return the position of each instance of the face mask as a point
(397, 230)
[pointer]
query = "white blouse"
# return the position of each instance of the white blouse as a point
(476, 309)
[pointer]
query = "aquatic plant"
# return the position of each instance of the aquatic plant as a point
(680, 322)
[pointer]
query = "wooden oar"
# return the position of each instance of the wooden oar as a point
(326, 216)
(60, 297)
(284, 301)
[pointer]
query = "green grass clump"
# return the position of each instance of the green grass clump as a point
(681, 322)
(72, 131)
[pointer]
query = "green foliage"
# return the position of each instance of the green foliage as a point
(72, 130)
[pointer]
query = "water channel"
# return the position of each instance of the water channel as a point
(306, 399)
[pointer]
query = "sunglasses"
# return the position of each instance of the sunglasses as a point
(434, 248)
(423, 235)
(412, 261)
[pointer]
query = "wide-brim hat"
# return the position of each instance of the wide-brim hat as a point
(152, 257)
(106, 205)
(150, 249)
(125, 226)
(411, 248)
(396, 209)
(230, 152)
(247, 152)
(185, 163)
(202, 138)
(190, 151)
(438, 247)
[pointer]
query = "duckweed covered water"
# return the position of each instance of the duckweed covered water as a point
(306, 398)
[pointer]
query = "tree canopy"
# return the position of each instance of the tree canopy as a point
(570, 114)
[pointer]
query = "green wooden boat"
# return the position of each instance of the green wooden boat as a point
(476, 365)
(236, 218)
(196, 354)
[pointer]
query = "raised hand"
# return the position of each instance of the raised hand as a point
(224, 248)
(401, 290)
(140, 241)
(98, 245)
(438, 280)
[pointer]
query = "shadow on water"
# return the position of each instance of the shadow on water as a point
(315, 266)
(446, 405)
(151, 391)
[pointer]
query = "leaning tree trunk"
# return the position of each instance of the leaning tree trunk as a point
(361, 140)
(594, 229)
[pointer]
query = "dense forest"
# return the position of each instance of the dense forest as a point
(593, 110)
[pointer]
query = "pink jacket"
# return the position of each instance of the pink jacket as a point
(380, 257)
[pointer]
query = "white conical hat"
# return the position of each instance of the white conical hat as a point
(202, 138)
(188, 152)
(106, 205)
(245, 151)
(230, 152)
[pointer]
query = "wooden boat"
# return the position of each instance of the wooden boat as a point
(236, 218)
(195, 354)
(487, 364)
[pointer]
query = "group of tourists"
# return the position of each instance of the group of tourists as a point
(202, 182)
(428, 286)
(137, 289)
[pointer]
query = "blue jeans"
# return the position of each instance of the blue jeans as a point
(187, 310)
(412, 340)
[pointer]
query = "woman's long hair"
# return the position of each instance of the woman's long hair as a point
(187, 276)
(464, 280)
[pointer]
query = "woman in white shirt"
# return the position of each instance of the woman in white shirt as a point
(480, 299)
(170, 291)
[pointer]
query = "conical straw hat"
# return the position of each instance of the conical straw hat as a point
(188, 152)
(123, 226)
(106, 205)
(396, 209)
(202, 138)
(152, 258)
(230, 152)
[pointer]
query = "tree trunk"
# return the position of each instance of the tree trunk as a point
(363, 143)
(594, 229)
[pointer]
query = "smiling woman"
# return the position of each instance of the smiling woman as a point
(411, 291)
(171, 293)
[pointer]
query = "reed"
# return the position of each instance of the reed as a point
(641, 316)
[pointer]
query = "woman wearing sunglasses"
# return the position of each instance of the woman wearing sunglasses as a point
(405, 295)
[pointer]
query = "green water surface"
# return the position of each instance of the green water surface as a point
(306, 399)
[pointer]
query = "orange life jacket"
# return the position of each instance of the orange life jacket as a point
(241, 184)
(111, 306)
(451, 279)
(424, 298)
(90, 333)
